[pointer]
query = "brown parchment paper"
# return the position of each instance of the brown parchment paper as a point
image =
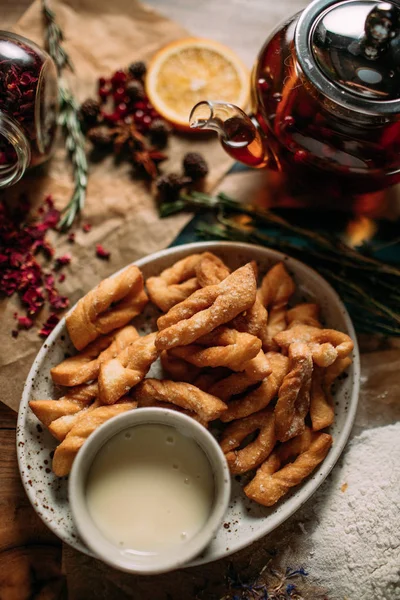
(100, 36)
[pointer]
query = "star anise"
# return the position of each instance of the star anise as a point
(147, 159)
(127, 136)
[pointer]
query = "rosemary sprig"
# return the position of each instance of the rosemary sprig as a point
(75, 143)
(69, 120)
(367, 286)
(54, 39)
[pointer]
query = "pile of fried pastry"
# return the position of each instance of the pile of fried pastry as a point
(230, 353)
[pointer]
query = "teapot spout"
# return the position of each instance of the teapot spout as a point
(238, 134)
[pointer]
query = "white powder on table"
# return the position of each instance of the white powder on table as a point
(356, 538)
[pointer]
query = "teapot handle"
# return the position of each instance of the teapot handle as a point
(240, 136)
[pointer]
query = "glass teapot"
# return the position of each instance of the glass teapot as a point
(325, 101)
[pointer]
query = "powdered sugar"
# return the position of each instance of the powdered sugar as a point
(355, 537)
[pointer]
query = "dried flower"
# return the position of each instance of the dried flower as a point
(194, 166)
(89, 112)
(170, 185)
(49, 325)
(134, 90)
(20, 272)
(62, 261)
(138, 69)
(102, 253)
(101, 137)
(24, 322)
(159, 132)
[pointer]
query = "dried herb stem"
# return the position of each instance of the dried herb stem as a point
(75, 143)
(368, 286)
(69, 120)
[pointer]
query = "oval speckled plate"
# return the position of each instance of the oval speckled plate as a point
(247, 520)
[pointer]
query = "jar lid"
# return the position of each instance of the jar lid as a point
(351, 51)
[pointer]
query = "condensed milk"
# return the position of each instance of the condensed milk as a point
(150, 488)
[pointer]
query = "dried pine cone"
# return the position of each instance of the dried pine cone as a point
(194, 166)
(159, 132)
(135, 91)
(89, 112)
(170, 185)
(138, 69)
(101, 137)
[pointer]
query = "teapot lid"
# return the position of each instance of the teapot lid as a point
(350, 50)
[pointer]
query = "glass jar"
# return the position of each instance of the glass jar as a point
(28, 106)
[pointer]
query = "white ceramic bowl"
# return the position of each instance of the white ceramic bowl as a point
(171, 558)
(247, 521)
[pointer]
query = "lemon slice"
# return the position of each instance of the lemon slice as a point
(194, 69)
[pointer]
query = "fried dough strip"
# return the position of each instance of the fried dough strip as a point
(185, 395)
(108, 306)
(75, 400)
(321, 407)
(190, 413)
(227, 348)
(255, 371)
(294, 394)
(326, 344)
(118, 375)
(207, 379)
(271, 482)
(206, 309)
(175, 283)
(63, 425)
(276, 289)
(306, 313)
(260, 397)
(252, 455)
(177, 368)
(85, 366)
(65, 453)
(254, 321)
(211, 270)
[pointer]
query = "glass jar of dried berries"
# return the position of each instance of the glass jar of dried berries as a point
(28, 106)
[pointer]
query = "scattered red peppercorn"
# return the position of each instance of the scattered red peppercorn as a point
(71, 238)
(14, 333)
(102, 253)
(86, 227)
(61, 278)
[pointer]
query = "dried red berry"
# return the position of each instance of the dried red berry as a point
(61, 278)
(102, 253)
(71, 238)
(118, 78)
(86, 227)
